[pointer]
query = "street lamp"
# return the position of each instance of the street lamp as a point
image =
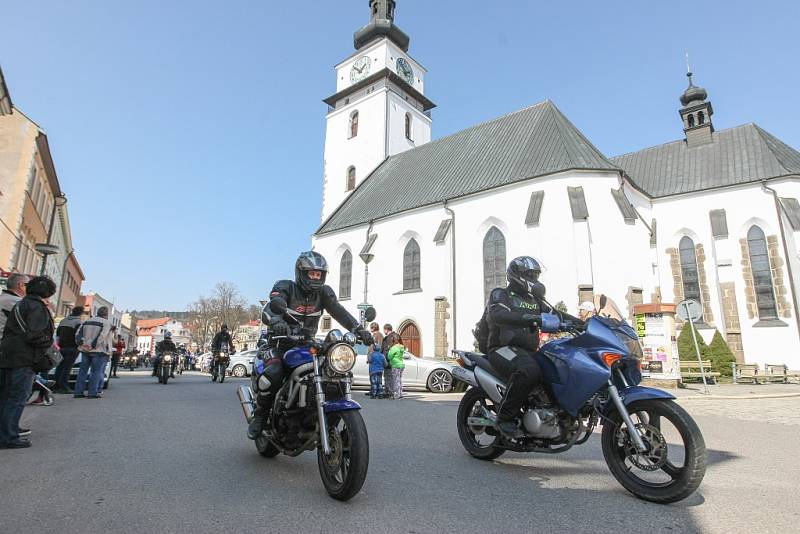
(45, 249)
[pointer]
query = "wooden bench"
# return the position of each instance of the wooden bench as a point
(691, 369)
(778, 373)
(747, 372)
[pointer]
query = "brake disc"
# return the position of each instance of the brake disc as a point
(654, 457)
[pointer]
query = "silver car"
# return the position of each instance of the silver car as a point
(434, 375)
(73, 373)
(242, 363)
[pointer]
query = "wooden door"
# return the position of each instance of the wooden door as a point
(410, 334)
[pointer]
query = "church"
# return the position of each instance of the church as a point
(423, 229)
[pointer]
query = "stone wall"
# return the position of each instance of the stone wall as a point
(633, 297)
(730, 316)
(440, 344)
(705, 293)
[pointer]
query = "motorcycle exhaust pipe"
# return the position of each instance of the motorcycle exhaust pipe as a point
(246, 400)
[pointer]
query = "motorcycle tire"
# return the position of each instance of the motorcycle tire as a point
(213, 378)
(266, 448)
(468, 441)
(685, 479)
(345, 479)
(222, 376)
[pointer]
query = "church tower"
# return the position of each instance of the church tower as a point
(696, 115)
(379, 109)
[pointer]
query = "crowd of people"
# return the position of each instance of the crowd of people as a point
(386, 365)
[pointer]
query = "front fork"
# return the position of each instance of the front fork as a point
(323, 422)
(613, 393)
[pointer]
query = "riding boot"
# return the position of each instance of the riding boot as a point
(263, 405)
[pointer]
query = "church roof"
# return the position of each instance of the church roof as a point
(529, 143)
(739, 155)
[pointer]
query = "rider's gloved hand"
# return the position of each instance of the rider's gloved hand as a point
(364, 335)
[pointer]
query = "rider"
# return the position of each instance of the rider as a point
(222, 341)
(514, 336)
(165, 345)
(306, 298)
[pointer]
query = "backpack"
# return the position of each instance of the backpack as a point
(481, 333)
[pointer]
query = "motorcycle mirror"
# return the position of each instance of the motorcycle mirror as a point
(370, 314)
(603, 301)
(278, 306)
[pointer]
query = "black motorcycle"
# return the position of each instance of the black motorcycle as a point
(165, 367)
(314, 408)
(220, 366)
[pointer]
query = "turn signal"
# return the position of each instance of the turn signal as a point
(610, 358)
(460, 362)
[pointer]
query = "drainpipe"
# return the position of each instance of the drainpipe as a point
(453, 274)
(779, 211)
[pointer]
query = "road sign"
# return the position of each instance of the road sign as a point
(689, 310)
(364, 306)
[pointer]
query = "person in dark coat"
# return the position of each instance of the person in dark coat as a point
(26, 337)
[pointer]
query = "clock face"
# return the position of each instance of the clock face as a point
(360, 69)
(405, 71)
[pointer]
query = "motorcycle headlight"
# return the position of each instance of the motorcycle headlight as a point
(167, 358)
(341, 358)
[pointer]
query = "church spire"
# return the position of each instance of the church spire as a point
(381, 24)
(696, 113)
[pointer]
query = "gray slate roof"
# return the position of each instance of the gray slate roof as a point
(739, 155)
(529, 143)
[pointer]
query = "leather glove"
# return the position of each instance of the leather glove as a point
(280, 329)
(364, 335)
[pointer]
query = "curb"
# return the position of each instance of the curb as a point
(740, 397)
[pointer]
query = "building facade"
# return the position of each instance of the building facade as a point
(424, 231)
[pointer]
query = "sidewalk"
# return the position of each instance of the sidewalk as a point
(694, 391)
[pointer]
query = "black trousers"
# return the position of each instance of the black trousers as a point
(114, 365)
(522, 374)
(275, 374)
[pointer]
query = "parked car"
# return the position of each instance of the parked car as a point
(434, 375)
(242, 363)
(73, 373)
(204, 362)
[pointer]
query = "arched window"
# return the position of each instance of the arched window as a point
(351, 178)
(494, 261)
(408, 126)
(701, 118)
(762, 273)
(345, 275)
(691, 280)
(411, 266)
(690, 121)
(353, 130)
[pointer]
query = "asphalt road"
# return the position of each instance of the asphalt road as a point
(162, 459)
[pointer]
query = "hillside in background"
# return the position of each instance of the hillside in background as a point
(155, 314)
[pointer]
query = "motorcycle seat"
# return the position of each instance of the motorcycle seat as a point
(483, 362)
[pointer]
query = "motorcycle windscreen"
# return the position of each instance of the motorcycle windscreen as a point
(573, 375)
(297, 357)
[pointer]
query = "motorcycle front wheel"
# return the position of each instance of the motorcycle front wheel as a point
(674, 463)
(221, 375)
(343, 471)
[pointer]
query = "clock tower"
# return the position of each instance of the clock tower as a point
(379, 108)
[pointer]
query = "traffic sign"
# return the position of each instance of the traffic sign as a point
(689, 309)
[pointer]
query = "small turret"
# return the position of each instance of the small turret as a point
(381, 24)
(696, 114)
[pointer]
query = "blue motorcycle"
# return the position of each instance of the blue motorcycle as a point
(314, 408)
(652, 446)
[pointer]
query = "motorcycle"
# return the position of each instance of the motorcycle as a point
(314, 407)
(651, 445)
(130, 362)
(165, 367)
(219, 366)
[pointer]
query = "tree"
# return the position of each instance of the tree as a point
(720, 355)
(254, 312)
(560, 306)
(686, 344)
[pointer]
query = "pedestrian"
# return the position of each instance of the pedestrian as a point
(377, 364)
(27, 335)
(377, 337)
(119, 347)
(65, 334)
(10, 296)
(398, 365)
(94, 343)
(388, 332)
(586, 310)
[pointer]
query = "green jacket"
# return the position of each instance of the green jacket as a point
(396, 357)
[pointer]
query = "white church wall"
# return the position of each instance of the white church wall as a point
(420, 125)
(744, 206)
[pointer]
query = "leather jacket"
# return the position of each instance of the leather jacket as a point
(307, 308)
(221, 338)
(165, 345)
(510, 317)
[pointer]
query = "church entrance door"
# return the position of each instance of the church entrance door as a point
(410, 334)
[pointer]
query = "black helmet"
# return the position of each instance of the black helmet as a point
(167, 335)
(310, 261)
(523, 274)
(224, 327)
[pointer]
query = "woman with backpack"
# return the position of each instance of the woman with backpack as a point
(27, 336)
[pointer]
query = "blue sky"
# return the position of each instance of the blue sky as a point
(188, 135)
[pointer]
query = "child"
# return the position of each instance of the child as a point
(377, 361)
(396, 353)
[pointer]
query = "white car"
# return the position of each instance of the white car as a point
(242, 363)
(434, 375)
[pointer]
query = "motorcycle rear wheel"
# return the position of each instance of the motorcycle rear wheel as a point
(643, 474)
(471, 400)
(343, 471)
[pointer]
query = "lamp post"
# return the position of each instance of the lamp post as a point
(45, 249)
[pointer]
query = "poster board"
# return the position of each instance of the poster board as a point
(655, 325)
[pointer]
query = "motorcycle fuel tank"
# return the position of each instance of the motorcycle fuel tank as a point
(297, 357)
